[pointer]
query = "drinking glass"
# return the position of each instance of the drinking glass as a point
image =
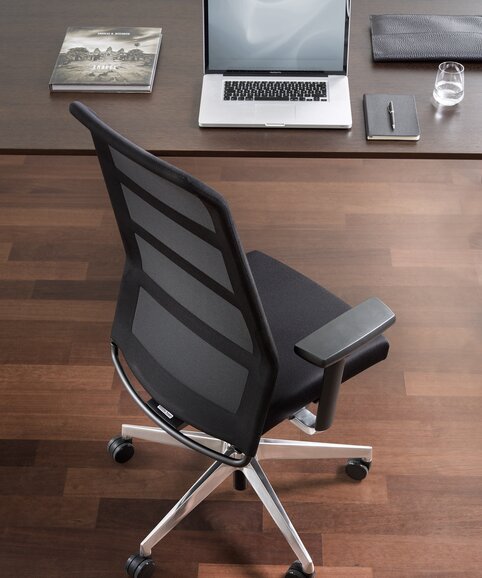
(449, 84)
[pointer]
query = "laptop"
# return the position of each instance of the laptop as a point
(276, 64)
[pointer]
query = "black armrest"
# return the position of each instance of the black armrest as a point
(328, 347)
(350, 330)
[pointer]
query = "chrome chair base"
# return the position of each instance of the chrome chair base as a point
(218, 472)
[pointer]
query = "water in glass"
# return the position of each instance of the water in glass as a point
(448, 93)
(449, 83)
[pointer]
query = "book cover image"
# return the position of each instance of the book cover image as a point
(106, 57)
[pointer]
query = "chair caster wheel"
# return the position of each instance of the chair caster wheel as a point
(296, 571)
(138, 566)
(120, 449)
(357, 469)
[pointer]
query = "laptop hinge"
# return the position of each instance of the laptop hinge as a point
(274, 74)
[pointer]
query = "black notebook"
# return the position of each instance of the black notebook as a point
(391, 117)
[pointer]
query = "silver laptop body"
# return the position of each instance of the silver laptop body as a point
(276, 64)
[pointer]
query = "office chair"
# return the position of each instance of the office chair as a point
(227, 343)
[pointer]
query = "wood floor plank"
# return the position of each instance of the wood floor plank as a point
(62, 427)
(94, 352)
(12, 161)
(298, 170)
(93, 454)
(5, 249)
(18, 452)
(16, 289)
(217, 515)
(420, 408)
(405, 433)
(61, 378)
(66, 290)
(266, 571)
(448, 488)
(47, 350)
(40, 310)
(316, 488)
(35, 242)
(234, 547)
(67, 248)
(413, 553)
(52, 403)
(404, 573)
(48, 270)
(51, 217)
(368, 235)
(49, 511)
(130, 482)
(386, 276)
(445, 384)
(434, 258)
(30, 481)
(51, 341)
(415, 516)
(62, 552)
(434, 461)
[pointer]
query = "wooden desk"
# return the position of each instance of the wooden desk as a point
(33, 121)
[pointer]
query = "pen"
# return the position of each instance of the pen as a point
(391, 112)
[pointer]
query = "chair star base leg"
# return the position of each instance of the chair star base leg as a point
(301, 450)
(206, 484)
(258, 480)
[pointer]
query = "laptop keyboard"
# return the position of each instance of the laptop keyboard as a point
(274, 90)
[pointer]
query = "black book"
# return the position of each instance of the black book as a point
(391, 117)
(107, 60)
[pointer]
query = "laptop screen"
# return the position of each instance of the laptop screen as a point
(270, 36)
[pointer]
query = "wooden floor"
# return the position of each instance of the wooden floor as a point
(409, 232)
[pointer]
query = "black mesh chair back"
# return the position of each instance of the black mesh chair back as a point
(189, 321)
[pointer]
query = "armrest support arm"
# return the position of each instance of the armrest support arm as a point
(328, 347)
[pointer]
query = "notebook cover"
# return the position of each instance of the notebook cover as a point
(378, 121)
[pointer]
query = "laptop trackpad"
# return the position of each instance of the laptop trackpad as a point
(275, 113)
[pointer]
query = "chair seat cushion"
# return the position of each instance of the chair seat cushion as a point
(295, 306)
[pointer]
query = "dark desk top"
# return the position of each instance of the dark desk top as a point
(165, 122)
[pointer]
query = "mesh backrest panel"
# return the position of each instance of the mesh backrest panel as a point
(187, 245)
(188, 321)
(208, 371)
(194, 295)
(169, 193)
